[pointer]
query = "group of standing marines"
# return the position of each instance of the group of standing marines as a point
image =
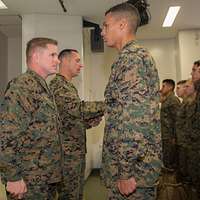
(180, 130)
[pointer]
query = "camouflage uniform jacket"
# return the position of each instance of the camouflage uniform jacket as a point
(188, 132)
(30, 143)
(74, 115)
(194, 142)
(132, 140)
(194, 124)
(185, 116)
(182, 127)
(168, 116)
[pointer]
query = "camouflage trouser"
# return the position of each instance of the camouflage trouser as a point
(140, 194)
(170, 155)
(192, 193)
(73, 182)
(194, 167)
(39, 192)
(182, 170)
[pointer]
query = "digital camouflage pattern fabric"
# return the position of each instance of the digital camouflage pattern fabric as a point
(188, 130)
(194, 143)
(75, 116)
(169, 109)
(132, 140)
(29, 132)
(183, 135)
(73, 179)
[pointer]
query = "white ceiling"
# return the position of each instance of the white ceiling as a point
(93, 10)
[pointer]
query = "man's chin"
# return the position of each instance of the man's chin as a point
(52, 72)
(108, 44)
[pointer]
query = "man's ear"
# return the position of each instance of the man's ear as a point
(123, 23)
(35, 56)
(171, 88)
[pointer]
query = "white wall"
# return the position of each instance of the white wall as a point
(10, 58)
(189, 45)
(97, 68)
(14, 57)
(164, 53)
(177, 58)
(3, 61)
(96, 73)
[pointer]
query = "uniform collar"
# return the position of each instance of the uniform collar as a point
(39, 79)
(168, 95)
(130, 43)
(61, 77)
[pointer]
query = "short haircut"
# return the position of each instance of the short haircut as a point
(66, 52)
(197, 63)
(40, 42)
(127, 11)
(170, 82)
(181, 82)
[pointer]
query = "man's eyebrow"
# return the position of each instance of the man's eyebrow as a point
(53, 54)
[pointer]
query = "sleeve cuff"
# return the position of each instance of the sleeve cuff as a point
(5, 178)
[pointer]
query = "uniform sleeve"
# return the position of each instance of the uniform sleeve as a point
(68, 102)
(133, 97)
(172, 117)
(14, 120)
(92, 109)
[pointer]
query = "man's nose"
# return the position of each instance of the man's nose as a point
(102, 32)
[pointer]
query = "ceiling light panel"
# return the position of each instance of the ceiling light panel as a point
(171, 15)
(2, 5)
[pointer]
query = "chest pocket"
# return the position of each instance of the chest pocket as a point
(46, 110)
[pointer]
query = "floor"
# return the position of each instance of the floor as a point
(94, 189)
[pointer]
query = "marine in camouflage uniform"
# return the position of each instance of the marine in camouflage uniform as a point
(194, 140)
(194, 130)
(76, 116)
(183, 130)
(30, 154)
(132, 132)
(182, 138)
(30, 144)
(132, 139)
(187, 141)
(169, 109)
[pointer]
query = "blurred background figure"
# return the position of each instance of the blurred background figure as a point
(169, 108)
(180, 89)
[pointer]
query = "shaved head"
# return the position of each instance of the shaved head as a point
(128, 12)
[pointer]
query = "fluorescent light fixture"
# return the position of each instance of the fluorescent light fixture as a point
(171, 15)
(2, 5)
